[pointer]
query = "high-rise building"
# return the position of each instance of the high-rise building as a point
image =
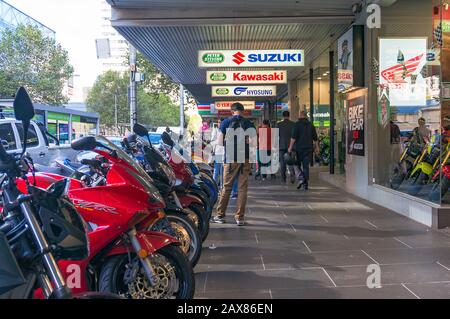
(111, 46)
(11, 17)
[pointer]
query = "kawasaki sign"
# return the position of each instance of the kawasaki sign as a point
(246, 77)
(251, 58)
(267, 90)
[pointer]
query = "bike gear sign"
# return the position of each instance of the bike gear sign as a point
(355, 126)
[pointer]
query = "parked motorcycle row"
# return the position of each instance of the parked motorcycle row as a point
(424, 164)
(125, 222)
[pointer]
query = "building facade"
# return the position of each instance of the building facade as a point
(118, 46)
(11, 17)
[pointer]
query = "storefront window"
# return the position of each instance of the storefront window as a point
(411, 140)
(321, 111)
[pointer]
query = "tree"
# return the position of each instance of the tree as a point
(110, 89)
(157, 109)
(154, 109)
(28, 58)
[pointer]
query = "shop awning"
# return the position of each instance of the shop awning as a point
(170, 32)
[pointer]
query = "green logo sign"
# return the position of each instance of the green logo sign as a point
(218, 77)
(213, 57)
(445, 26)
(222, 91)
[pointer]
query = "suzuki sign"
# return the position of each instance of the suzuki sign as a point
(226, 105)
(264, 90)
(250, 58)
(246, 77)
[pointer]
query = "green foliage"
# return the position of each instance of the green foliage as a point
(154, 109)
(101, 98)
(29, 59)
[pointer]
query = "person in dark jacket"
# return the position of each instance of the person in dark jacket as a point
(285, 128)
(304, 138)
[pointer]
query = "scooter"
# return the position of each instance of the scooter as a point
(125, 258)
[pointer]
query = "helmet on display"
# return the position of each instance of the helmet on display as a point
(289, 158)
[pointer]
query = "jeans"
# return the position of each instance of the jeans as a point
(303, 162)
(218, 177)
(218, 173)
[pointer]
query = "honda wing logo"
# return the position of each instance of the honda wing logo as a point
(238, 58)
(398, 73)
(240, 89)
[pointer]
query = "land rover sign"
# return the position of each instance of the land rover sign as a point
(214, 77)
(212, 58)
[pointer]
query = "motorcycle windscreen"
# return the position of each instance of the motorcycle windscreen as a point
(10, 274)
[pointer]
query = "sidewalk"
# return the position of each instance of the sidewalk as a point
(318, 244)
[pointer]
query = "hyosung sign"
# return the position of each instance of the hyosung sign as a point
(267, 90)
(250, 58)
(247, 77)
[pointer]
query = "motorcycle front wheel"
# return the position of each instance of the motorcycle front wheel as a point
(203, 219)
(187, 234)
(174, 276)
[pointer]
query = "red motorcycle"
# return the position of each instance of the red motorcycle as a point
(124, 258)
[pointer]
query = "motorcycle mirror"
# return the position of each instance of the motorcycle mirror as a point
(23, 107)
(23, 111)
(140, 130)
(165, 137)
(86, 143)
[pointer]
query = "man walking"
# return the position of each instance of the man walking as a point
(285, 128)
(232, 168)
(304, 137)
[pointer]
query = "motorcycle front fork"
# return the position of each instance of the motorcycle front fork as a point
(176, 200)
(148, 268)
(53, 282)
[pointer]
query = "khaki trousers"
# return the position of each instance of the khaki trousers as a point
(230, 172)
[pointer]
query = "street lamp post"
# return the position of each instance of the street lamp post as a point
(132, 90)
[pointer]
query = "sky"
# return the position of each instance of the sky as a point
(77, 24)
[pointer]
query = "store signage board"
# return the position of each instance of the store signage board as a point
(345, 62)
(250, 58)
(355, 126)
(247, 77)
(350, 73)
(226, 105)
(243, 90)
(401, 63)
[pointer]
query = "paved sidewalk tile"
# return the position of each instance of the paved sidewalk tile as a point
(319, 244)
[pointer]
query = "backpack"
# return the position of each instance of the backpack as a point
(235, 123)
